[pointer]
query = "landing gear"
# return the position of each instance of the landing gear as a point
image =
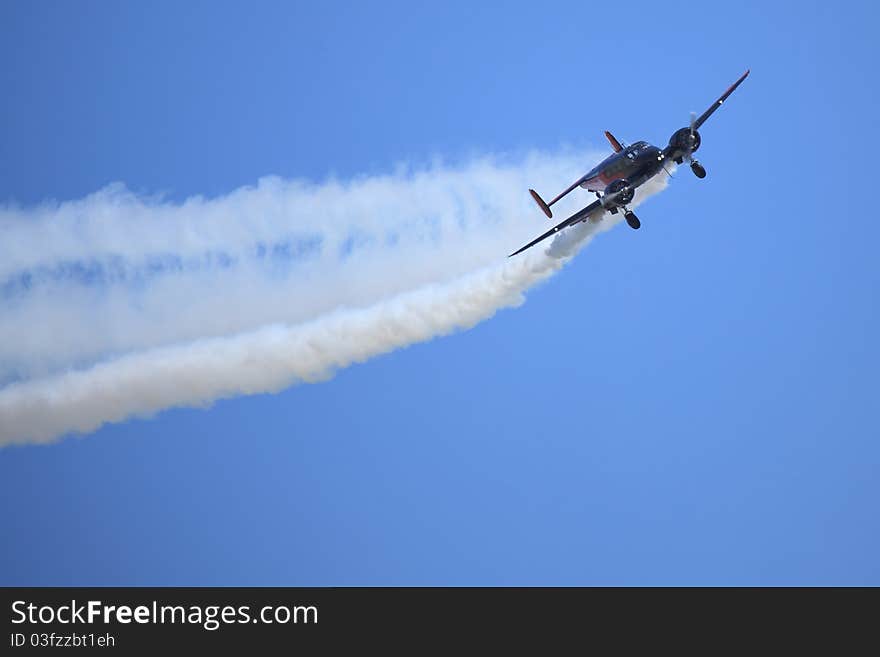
(698, 169)
(632, 220)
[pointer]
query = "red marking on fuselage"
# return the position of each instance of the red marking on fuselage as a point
(614, 169)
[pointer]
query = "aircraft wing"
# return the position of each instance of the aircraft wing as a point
(580, 215)
(705, 115)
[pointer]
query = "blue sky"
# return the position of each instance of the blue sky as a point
(689, 404)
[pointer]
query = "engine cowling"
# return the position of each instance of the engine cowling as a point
(618, 192)
(685, 141)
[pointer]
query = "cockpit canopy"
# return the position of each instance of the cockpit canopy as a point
(634, 150)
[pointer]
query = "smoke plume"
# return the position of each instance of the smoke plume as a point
(118, 305)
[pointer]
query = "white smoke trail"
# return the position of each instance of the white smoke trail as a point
(338, 304)
(114, 273)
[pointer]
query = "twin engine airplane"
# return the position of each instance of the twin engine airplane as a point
(615, 179)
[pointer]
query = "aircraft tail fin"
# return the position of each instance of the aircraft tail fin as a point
(614, 143)
(541, 204)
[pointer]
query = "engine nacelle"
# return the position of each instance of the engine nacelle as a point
(684, 141)
(617, 193)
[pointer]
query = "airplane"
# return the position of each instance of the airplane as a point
(615, 179)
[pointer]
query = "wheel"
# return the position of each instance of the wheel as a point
(632, 220)
(698, 169)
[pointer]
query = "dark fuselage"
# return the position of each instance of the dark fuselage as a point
(615, 179)
(635, 164)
